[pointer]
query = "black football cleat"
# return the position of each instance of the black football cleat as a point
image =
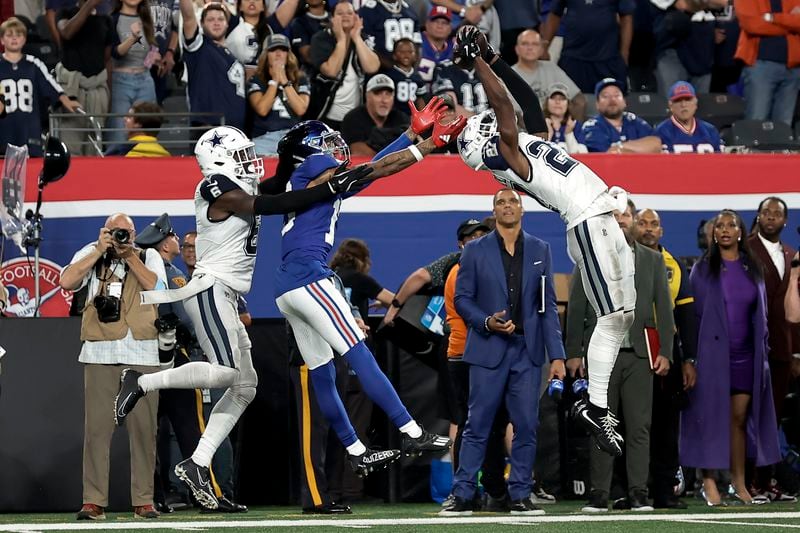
(198, 479)
(129, 393)
(372, 460)
(602, 424)
(427, 442)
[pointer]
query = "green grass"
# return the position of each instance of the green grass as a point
(560, 518)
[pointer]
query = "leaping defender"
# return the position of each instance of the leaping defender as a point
(546, 173)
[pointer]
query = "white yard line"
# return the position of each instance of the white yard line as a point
(727, 523)
(365, 522)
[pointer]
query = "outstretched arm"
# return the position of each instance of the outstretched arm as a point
(500, 102)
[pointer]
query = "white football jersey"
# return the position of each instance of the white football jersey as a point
(556, 180)
(226, 249)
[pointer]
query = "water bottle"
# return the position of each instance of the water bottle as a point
(555, 389)
(580, 387)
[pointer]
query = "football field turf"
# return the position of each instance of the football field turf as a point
(422, 518)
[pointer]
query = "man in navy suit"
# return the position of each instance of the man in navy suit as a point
(505, 294)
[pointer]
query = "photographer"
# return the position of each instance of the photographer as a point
(117, 332)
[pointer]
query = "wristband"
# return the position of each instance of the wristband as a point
(272, 83)
(691, 361)
(415, 152)
(396, 303)
(486, 323)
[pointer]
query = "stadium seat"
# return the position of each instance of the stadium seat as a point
(763, 135)
(720, 109)
(652, 107)
(591, 105)
(177, 140)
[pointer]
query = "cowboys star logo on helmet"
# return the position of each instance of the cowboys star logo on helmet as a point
(228, 151)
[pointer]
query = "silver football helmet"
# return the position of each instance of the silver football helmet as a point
(227, 150)
(480, 128)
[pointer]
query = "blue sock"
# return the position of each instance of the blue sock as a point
(330, 403)
(376, 385)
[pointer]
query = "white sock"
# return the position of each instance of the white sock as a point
(194, 375)
(602, 354)
(223, 417)
(357, 448)
(411, 429)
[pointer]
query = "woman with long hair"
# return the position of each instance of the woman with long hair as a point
(562, 128)
(730, 414)
(133, 51)
(278, 94)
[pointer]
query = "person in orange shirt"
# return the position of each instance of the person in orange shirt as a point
(769, 46)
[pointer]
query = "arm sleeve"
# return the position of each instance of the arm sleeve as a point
(154, 263)
(291, 201)
(523, 94)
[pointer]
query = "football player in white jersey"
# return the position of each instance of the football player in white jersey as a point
(542, 170)
(228, 213)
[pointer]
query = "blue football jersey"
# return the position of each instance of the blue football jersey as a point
(430, 57)
(307, 236)
(386, 24)
(703, 138)
(599, 134)
(26, 86)
(468, 88)
(407, 86)
(216, 80)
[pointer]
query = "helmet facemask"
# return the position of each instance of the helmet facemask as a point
(249, 165)
(332, 144)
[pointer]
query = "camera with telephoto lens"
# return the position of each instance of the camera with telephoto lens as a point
(107, 308)
(121, 235)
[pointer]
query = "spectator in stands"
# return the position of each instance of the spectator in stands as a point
(682, 132)
(342, 57)
(408, 85)
(86, 39)
(53, 8)
(685, 41)
(730, 414)
(142, 124)
(133, 51)
(250, 27)
(369, 128)
(314, 18)
(775, 257)
(278, 94)
(165, 19)
(437, 46)
(113, 341)
(669, 391)
(27, 87)
(386, 21)
(597, 39)
(792, 301)
(562, 128)
(631, 384)
(541, 75)
(216, 77)
(189, 252)
(515, 17)
(613, 129)
(769, 46)
(468, 11)
(464, 85)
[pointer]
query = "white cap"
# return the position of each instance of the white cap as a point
(380, 81)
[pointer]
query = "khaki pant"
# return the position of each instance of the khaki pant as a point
(101, 384)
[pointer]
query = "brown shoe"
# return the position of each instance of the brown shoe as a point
(90, 511)
(145, 511)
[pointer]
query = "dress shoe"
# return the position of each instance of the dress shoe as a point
(164, 508)
(90, 511)
(328, 508)
(145, 511)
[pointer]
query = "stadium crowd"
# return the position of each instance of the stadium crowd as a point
(263, 66)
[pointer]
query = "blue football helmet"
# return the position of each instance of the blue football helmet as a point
(313, 137)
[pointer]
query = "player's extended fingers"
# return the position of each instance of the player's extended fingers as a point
(458, 124)
(412, 108)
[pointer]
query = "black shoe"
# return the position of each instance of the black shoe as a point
(497, 505)
(639, 502)
(670, 503)
(602, 424)
(621, 504)
(226, 506)
(372, 460)
(164, 508)
(459, 507)
(525, 507)
(427, 442)
(198, 479)
(129, 393)
(598, 503)
(328, 508)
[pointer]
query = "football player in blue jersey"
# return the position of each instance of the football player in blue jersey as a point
(25, 86)
(682, 132)
(387, 21)
(305, 293)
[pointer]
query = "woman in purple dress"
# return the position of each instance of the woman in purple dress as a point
(731, 414)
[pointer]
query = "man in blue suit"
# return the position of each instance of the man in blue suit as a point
(505, 294)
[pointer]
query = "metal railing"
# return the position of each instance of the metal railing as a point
(86, 134)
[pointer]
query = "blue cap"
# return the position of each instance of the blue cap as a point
(680, 90)
(605, 82)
